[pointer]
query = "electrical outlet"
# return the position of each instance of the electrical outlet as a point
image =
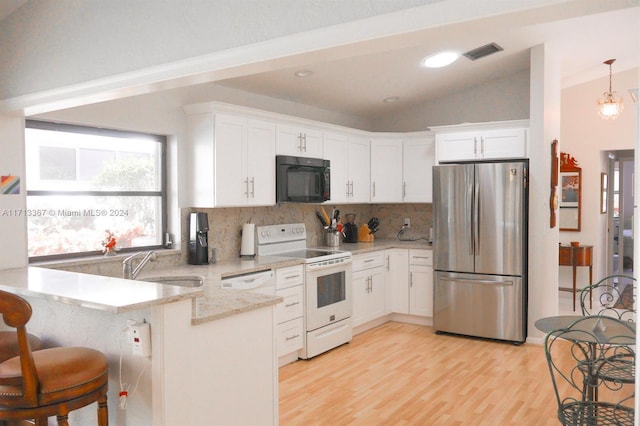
(407, 222)
(140, 338)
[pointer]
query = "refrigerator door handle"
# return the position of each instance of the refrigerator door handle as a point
(472, 250)
(483, 282)
(475, 211)
(478, 225)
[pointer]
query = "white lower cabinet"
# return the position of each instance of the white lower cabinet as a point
(396, 277)
(409, 282)
(289, 336)
(421, 282)
(368, 287)
(290, 312)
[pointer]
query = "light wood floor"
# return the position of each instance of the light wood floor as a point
(403, 374)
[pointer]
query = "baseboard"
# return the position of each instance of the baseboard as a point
(409, 319)
(412, 319)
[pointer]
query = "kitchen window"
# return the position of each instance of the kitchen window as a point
(85, 181)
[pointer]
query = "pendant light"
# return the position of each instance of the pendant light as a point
(609, 107)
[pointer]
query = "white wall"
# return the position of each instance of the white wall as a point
(13, 219)
(585, 135)
(543, 240)
(507, 97)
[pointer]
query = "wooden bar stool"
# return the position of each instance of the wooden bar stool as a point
(9, 344)
(50, 382)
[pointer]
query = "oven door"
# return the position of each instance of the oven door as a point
(329, 294)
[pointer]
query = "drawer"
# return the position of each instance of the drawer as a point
(292, 306)
(289, 336)
(362, 262)
(290, 276)
(421, 257)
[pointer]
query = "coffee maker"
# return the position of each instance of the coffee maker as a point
(198, 237)
(350, 229)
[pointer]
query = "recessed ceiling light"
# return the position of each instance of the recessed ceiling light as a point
(441, 59)
(303, 73)
(391, 99)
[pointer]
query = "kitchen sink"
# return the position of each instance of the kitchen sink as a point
(182, 281)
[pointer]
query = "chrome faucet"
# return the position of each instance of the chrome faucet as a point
(127, 271)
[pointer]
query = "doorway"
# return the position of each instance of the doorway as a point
(619, 202)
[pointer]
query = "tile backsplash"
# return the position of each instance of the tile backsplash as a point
(225, 224)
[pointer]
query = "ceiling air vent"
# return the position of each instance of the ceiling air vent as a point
(482, 51)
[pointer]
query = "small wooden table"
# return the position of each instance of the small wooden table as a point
(576, 256)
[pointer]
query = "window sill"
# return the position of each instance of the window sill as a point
(92, 260)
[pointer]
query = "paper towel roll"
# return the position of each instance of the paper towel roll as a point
(247, 247)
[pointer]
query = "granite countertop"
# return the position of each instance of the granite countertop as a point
(211, 302)
(97, 292)
(359, 248)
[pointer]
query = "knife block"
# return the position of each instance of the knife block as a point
(364, 234)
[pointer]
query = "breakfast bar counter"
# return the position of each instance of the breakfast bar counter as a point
(198, 336)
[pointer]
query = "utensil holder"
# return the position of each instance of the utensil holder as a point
(332, 238)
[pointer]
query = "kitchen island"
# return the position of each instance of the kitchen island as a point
(212, 350)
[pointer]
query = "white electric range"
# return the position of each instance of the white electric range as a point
(328, 287)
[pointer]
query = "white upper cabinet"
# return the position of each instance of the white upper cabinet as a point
(350, 167)
(359, 169)
(298, 141)
(418, 160)
(232, 160)
(386, 170)
(484, 144)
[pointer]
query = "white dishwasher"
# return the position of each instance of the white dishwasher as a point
(262, 282)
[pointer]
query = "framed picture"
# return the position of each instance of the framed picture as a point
(570, 189)
(603, 192)
(570, 199)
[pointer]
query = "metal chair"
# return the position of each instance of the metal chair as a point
(614, 297)
(576, 356)
(49, 382)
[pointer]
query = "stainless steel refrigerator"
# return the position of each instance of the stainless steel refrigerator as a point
(480, 249)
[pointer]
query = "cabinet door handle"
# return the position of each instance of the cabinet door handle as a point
(295, 336)
(288, 305)
(388, 261)
(410, 279)
(246, 187)
(374, 189)
(253, 187)
(347, 191)
(290, 277)
(352, 189)
(404, 189)
(300, 142)
(305, 142)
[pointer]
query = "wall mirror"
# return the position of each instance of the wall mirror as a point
(570, 193)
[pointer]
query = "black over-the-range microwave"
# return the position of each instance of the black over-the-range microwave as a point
(302, 180)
